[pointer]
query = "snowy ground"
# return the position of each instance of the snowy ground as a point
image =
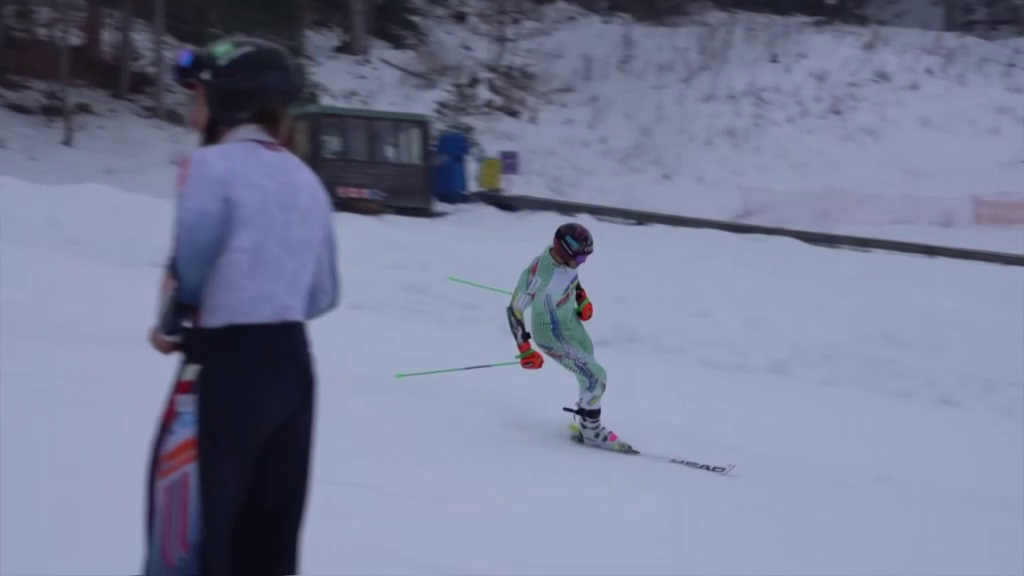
(874, 403)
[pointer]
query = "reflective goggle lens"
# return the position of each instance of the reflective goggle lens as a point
(186, 58)
(187, 69)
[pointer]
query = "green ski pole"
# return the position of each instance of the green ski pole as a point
(455, 369)
(474, 284)
(468, 283)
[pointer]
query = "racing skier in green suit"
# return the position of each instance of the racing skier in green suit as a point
(558, 305)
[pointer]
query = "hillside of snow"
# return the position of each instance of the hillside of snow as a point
(694, 119)
(869, 131)
(873, 403)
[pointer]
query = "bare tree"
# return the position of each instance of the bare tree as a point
(3, 37)
(125, 52)
(64, 76)
(506, 23)
(158, 27)
(305, 18)
(23, 12)
(502, 20)
(93, 29)
(950, 15)
(359, 32)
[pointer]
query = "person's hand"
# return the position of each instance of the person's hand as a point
(529, 358)
(161, 343)
(584, 309)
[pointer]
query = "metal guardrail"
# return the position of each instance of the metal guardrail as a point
(825, 239)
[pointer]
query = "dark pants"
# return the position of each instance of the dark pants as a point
(255, 395)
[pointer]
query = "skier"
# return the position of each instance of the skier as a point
(253, 260)
(546, 287)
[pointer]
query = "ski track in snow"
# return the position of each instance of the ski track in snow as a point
(874, 403)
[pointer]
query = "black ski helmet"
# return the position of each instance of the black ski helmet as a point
(241, 75)
(574, 242)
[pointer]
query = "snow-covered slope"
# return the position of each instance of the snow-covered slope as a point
(872, 402)
(687, 119)
(872, 131)
(113, 147)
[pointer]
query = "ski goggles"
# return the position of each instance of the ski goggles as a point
(579, 252)
(190, 67)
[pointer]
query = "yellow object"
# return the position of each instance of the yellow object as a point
(490, 174)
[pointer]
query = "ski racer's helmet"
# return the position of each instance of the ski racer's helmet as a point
(241, 76)
(574, 242)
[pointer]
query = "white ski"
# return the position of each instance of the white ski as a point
(721, 470)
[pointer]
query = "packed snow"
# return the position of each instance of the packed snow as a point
(873, 403)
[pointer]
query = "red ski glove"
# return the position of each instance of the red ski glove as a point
(584, 309)
(528, 357)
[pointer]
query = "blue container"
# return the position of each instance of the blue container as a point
(450, 169)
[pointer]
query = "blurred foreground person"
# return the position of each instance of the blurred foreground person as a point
(253, 260)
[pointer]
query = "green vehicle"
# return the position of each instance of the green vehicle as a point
(370, 160)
